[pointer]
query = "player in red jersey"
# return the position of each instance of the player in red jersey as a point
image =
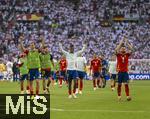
(63, 69)
(95, 67)
(122, 66)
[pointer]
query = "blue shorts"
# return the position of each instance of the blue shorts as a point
(123, 77)
(46, 74)
(71, 74)
(23, 77)
(113, 76)
(81, 74)
(63, 74)
(34, 74)
(96, 75)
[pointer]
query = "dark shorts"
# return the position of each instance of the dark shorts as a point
(71, 74)
(104, 73)
(81, 74)
(96, 74)
(46, 74)
(34, 74)
(23, 77)
(63, 74)
(123, 77)
(113, 76)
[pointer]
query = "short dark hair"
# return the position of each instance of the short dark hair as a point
(71, 45)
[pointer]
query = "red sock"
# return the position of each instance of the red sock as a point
(31, 92)
(127, 89)
(22, 89)
(119, 89)
(60, 80)
(77, 84)
(37, 88)
(27, 88)
(94, 83)
(69, 92)
(81, 85)
(37, 91)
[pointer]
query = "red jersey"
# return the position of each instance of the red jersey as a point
(63, 65)
(122, 62)
(95, 65)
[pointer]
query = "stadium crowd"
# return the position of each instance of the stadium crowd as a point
(66, 22)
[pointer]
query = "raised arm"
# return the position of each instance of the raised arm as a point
(42, 41)
(129, 45)
(119, 46)
(21, 43)
(81, 51)
(63, 51)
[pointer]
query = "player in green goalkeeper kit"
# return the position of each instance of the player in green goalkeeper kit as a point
(23, 72)
(33, 65)
(46, 60)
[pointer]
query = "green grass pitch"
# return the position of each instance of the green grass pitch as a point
(99, 104)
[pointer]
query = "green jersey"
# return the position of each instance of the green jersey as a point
(45, 60)
(56, 66)
(33, 59)
(23, 68)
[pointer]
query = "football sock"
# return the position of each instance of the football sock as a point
(127, 89)
(94, 83)
(119, 89)
(81, 84)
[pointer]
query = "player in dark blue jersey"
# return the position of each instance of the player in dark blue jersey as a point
(104, 70)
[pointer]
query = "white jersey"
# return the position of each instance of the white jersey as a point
(71, 58)
(80, 63)
(9, 66)
(112, 67)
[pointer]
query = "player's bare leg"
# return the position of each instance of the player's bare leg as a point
(37, 88)
(112, 84)
(60, 82)
(98, 82)
(48, 85)
(127, 92)
(77, 85)
(81, 86)
(28, 87)
(31, 89)
(94, 83)
(22, 87)
(119, 91)
(69, 88)
(74, 89)
(104, 82)
(44, 86)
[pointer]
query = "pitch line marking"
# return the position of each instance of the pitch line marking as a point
(117, 111)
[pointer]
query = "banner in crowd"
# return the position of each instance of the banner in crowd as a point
(29, 17)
